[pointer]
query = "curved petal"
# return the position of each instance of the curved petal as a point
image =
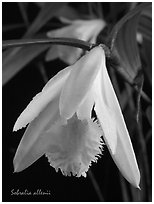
(93, 28)
(49, 92)
(80, 82)
(66, 20)
(79, 29)
(104, 106)
(35, 142)
(85, 109)
(125, 159)
(67, 32)
(115, 131)
(52, 53)
(67, 54)
(108, 123)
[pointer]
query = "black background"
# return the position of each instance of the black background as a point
(16, 95)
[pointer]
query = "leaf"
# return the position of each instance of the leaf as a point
(40, 4)
(120, 24)
(148, 11)
(15, 59)
(145, 24)
(123, 41)
(69, 12)
(139, 80)
(23, 10)
(116, 8)
(47, 12)
(147, 56)
(149, 114)
(12, 66)
(126, 47)
(124, 189)
(7, 28)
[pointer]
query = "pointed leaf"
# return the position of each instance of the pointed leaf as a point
(123, 39)
(120, 24)
(126, 47)
(13, 64)
(47, 12)
(26, 54)
(145, 27)
(147, 56)
(69, 12)
(149, 114)
(147, 11)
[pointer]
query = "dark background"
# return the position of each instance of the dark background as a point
(17, 93)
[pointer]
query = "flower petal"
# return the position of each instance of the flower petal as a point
(85, 110)
(67, 32)
(78, 29)
(35, 142)
(79, 82)
(51, 90)
(105, 105)
(67, 54)
(125, 158)
(115, 131)
(79, 144)
(108, 123)
(52, 53)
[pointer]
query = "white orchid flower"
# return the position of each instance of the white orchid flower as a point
(86, 30)
(61, 126)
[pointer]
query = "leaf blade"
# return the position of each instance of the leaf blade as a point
(127, 48)
(14, 64)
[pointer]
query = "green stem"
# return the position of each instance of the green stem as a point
(59, 41)
(23, 12)
(130, 81)
(74, 43)
(96, 186)
(90, 8)
(7, 28)
(144, 160)
(100, 12)
(124, 189)
(42, 71)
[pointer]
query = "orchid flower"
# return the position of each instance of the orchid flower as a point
(86, 30)
(61, 126)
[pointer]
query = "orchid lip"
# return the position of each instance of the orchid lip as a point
(62, 128)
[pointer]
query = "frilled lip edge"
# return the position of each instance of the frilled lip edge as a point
(74, 155)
